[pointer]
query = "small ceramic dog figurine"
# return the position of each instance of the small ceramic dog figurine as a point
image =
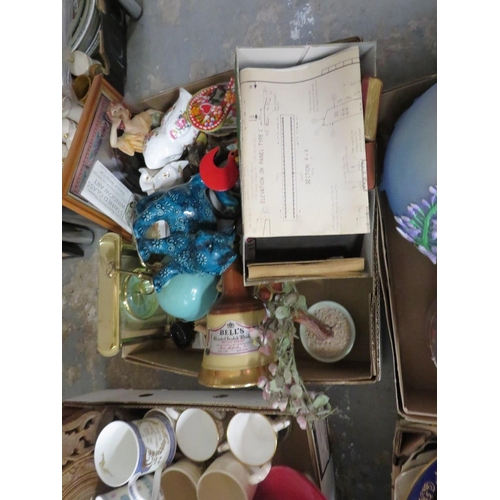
(194, 245)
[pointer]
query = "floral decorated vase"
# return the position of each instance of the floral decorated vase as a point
(410, 173)
(166, 143)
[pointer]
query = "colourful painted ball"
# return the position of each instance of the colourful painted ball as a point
(410, 173)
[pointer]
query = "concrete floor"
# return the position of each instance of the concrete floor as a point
(177, 42)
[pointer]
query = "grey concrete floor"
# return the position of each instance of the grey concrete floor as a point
(177, 42)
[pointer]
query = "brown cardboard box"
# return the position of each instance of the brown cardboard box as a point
(409, 284)
(360, 295)
(408, 438)
(307, 451)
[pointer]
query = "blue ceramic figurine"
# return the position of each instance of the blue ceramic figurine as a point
(194, 245)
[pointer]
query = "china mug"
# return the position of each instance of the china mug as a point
(253, 437)
(125, 451)
(179, 480)
(198, 432)
(71, 109)
(144, 486)
(227, 478)
(68, 129)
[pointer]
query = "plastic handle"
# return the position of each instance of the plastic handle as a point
(259, 473)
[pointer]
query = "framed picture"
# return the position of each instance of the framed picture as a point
(100, 182)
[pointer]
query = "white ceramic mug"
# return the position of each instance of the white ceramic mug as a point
(125, 451)
(228, 479)
(198, 432)
(71, 109)
(253, 437)
(179, 480)
(68, 130)
(144, 486)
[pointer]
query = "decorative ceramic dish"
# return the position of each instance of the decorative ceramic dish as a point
(340, 322)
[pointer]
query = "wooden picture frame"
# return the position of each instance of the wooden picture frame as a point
(91, 143)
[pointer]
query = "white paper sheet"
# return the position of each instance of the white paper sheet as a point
(109, 195)
(303, 163)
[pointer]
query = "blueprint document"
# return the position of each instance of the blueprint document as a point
(302, 149)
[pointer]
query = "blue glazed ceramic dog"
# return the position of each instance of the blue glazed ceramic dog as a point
(208, 252)
(194, 245)
(185, 208)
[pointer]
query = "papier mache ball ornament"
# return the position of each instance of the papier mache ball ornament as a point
(410, 173)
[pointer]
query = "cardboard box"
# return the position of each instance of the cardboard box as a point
(409, 284)
(408, 438)
(310, 247)
(360, 295)
(307, 451)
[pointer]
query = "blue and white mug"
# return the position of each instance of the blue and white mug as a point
(125, 451)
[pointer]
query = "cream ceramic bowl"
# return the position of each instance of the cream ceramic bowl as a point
(334, 306)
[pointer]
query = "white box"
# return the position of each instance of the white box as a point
(295, 248)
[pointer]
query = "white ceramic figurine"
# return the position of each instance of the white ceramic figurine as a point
(166, 143)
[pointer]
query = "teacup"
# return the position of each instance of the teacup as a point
(227, 478)
(125, 451)
(253, 437)
(80, 63)
(198, 432)
(81, 87)
(179, 481)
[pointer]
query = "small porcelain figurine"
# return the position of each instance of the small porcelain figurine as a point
(135, 129)
(169, 176)
(166, 143)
